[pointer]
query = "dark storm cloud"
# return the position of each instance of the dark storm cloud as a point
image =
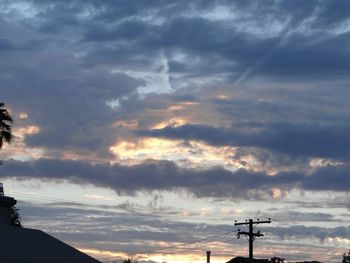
(283, 64)
(6, 45)
(288, 54)
(292, 139)
(303, 59)
(297, 123)
(66, 101)
(196, 37)
(61, 77)
(108, 39)
(128, 30)
(229, 49)
(334, 12)
(334, 178)
(165, 175)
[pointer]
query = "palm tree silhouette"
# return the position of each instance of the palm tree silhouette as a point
(5, 125)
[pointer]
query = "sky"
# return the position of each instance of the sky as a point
(140, 126)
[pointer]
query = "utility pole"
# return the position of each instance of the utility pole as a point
(251, 234)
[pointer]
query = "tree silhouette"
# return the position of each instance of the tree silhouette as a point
(5, 125)
(346, 257)
(128, 260)
(277, 260)
(15, 217)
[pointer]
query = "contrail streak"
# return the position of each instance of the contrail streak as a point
(283, 41)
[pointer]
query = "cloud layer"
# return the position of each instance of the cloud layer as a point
(164, 175)
(242, 101)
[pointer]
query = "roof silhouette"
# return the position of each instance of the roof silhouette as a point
(246, 260)
(19, 245)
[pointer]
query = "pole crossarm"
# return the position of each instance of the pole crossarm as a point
(253, 222)
(248, 234)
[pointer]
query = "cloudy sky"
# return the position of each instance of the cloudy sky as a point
(140, 125)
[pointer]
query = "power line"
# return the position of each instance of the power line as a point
(45, 198)
(59, 200)
(183, 243)
(40, 197)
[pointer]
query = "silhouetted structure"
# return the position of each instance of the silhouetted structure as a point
(346, 258)
(247, 260)
(22, 245)
(251, 234)
(272, 260)
(5, 125)
(277, 260)
(129, 260)
(6, 205)
(208, 256)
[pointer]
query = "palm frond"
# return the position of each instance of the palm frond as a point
(5, 127)
(6, 136)
(6, 117)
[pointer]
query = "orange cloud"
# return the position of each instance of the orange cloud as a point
(188, 154)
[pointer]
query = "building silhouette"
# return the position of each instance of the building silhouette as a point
(23, 245)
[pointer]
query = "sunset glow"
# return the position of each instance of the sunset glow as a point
(148, 129)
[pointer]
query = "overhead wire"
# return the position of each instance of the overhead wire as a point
(183, 243)
(178, 246)
(62, 200)
(59, 200)
(196, 241)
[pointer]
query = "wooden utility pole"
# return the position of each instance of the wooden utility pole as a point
(251, 234)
